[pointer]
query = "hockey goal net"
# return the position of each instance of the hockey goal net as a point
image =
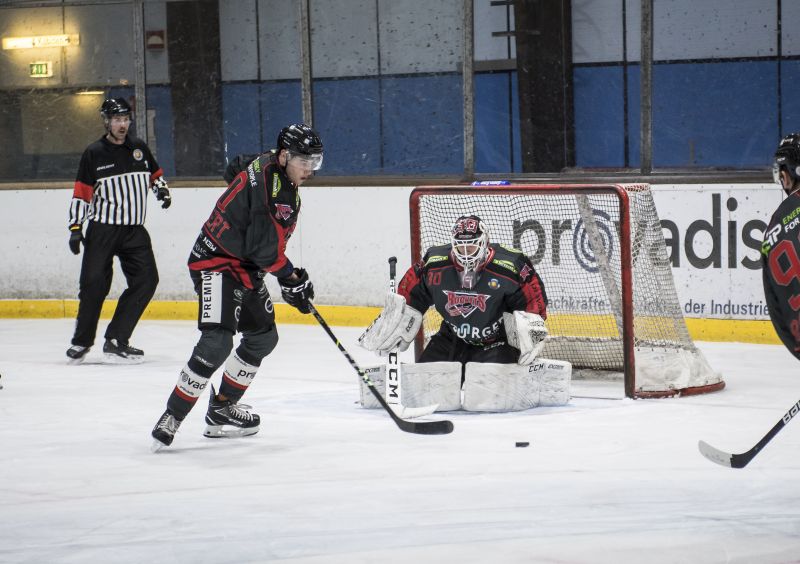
(613, 310)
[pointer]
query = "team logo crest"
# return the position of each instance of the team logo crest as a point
(463, 304)
(138, 155)
(494, 284)
(525, 272)
(282, 211)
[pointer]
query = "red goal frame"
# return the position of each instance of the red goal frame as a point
(625, 261)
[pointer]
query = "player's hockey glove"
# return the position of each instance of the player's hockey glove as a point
(75, 238)
(299, 291)
(162, 192)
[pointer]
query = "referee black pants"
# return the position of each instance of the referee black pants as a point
(131, 244)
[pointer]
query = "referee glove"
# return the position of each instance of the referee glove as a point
(162, 192)
(75, 238)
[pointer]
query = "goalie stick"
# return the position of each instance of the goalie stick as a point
(418, 427)
(740, 460)
(392, 365)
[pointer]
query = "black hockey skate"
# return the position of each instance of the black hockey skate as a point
(164, 431)
(77, 354)
(228, 419)
(120, 353)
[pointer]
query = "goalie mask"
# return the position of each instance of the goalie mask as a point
(470, 243)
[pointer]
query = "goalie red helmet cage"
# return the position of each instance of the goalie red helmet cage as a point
(613, 309)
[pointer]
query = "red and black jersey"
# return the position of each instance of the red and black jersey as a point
(112, 183)
(780, 263)
(250, 225)
(507, 282)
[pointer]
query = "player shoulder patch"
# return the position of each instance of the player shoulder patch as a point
(276, 184)
(436, 258)
(507, 264)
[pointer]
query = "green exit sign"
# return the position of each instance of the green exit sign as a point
(41, 69)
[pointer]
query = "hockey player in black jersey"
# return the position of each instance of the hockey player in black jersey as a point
(780, 251)
(471, 283)
(114, 177)
(243, 239)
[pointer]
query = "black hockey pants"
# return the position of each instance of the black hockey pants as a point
(131, 243)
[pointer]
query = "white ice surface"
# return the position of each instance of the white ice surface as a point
(326, 481)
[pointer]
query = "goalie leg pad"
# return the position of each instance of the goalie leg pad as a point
(554, 379)
(509, 387)
(499, 387)
(377, 374)
(429, 383)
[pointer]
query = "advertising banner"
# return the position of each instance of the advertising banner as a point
(713, 234)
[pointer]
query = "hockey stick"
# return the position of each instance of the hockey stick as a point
(741, 460)
(421, 427)
(392, 365)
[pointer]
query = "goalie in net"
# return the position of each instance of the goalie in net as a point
(493, 305)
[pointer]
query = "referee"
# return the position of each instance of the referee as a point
(114, 176)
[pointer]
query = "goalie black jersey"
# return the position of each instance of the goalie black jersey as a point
(507, 282)
(780, 262)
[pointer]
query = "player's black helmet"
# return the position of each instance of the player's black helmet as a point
(303, 142)
(115, 107)
(787, 157)
(300, 138)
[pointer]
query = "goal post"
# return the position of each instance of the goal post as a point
(613, 310)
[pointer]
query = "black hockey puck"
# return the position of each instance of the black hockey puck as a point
(520, 444)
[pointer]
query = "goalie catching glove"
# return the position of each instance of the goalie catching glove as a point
(297, 290)
(525, 331)
(394, 328)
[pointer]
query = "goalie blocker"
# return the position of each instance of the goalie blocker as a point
(488, 387)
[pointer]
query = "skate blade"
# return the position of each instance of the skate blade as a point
(228, 432)
(76, 361)
(157, 446)
(116, 359)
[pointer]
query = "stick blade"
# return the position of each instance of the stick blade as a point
(716, 456)
(443, 427)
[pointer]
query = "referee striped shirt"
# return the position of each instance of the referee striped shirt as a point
(112, 183)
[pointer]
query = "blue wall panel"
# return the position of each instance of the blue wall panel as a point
(790, 110)
(493, 125)
(281, 104)
(240, 122)
(714, 114)
(423, 129)
(347, 118)
(599, 113)
(159, 98)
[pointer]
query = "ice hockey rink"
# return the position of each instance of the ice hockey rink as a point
(603, 480)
